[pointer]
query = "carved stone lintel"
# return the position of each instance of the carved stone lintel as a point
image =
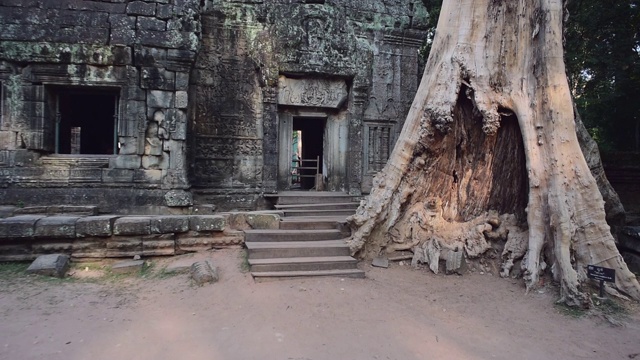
(312, 92)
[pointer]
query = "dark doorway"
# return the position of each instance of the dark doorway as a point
(87, 121)
(310, 131)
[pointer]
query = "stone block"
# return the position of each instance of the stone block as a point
(203, 272)
(160, 99)
(122, 21)
(56, 227)
(95, 226)
(117, 175)
(128, 146)
(89, 248)
(149, 56)
(164, 11)
(182, 99)
(159, 245)
(22, 226)
(73, 209)
(152, 162)
(125, 162)
(125, 267)
(151, 23)
(381, 262)
(55, 265)
(263, 221)
(169, 224)
(201, 223)
(132, 225)
(31, 210)
(182, 81)
(148, 176)
(158, 79)
(123, 247)
(141, 8)
(178, 198)
(120, 36)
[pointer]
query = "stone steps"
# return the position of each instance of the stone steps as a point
(348, 273)
(292, 235)
(293, 249)
(303, 263)
(310, 241)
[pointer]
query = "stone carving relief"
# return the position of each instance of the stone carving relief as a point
(312, 92)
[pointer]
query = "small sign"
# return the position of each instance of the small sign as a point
(601, 273)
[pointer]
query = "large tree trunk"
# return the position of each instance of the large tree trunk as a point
(489, 152)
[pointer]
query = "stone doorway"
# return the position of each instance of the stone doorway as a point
(307, 152)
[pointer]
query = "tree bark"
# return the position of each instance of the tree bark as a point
(489, 153)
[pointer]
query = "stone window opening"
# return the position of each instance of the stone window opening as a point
(86, 121)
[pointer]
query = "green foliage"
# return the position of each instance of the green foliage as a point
(602, 56)
(433, 9)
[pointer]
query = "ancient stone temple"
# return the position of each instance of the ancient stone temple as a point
(143, 106)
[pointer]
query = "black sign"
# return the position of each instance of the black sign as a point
(601, 273)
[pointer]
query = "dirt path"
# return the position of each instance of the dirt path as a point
(397, 313)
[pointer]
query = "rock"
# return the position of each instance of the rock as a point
(456, 263)
(127, 266)
(207, 223)
(204, 272)
(178, 198)
(263, 221)
(381, 262)
(55, 265)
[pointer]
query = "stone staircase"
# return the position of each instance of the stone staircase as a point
(310, 241)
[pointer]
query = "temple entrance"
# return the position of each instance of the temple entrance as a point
(307, 152)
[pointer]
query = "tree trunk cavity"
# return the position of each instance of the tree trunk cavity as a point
(489, 158)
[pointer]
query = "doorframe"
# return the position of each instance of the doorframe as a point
(285, 143)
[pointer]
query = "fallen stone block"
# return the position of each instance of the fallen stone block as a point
(204, 272)
(57, 227)
(207, 223)
(22, 226)
(55, 265)
(95, 226)
(456, 263)
(381, 262)
(125, 267)
(132, 225)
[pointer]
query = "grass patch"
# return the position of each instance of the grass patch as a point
(13, 268)
(571, 311)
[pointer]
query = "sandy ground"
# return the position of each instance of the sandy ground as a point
(396, 313)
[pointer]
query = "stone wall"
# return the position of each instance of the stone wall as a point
(249, 46)
(141, 52)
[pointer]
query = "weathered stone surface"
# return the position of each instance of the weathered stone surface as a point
(95, 226)
(55, 265)
(456, 263)
(202, 223)
(263, 221)
(312, 92)
(169, 224)
(381, 262)
(56, 227)
(22, 226)
(6, 211)
(125, 267)
(89, 248)
(132, 225)
(71, 209)
(629, 238)
(159, 245)
(123, 247)
(178, 198)
(203, 272)
(200, 242)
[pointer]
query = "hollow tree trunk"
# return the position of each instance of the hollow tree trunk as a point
(489, 151)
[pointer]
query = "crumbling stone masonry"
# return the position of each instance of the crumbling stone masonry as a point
(144, 106)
